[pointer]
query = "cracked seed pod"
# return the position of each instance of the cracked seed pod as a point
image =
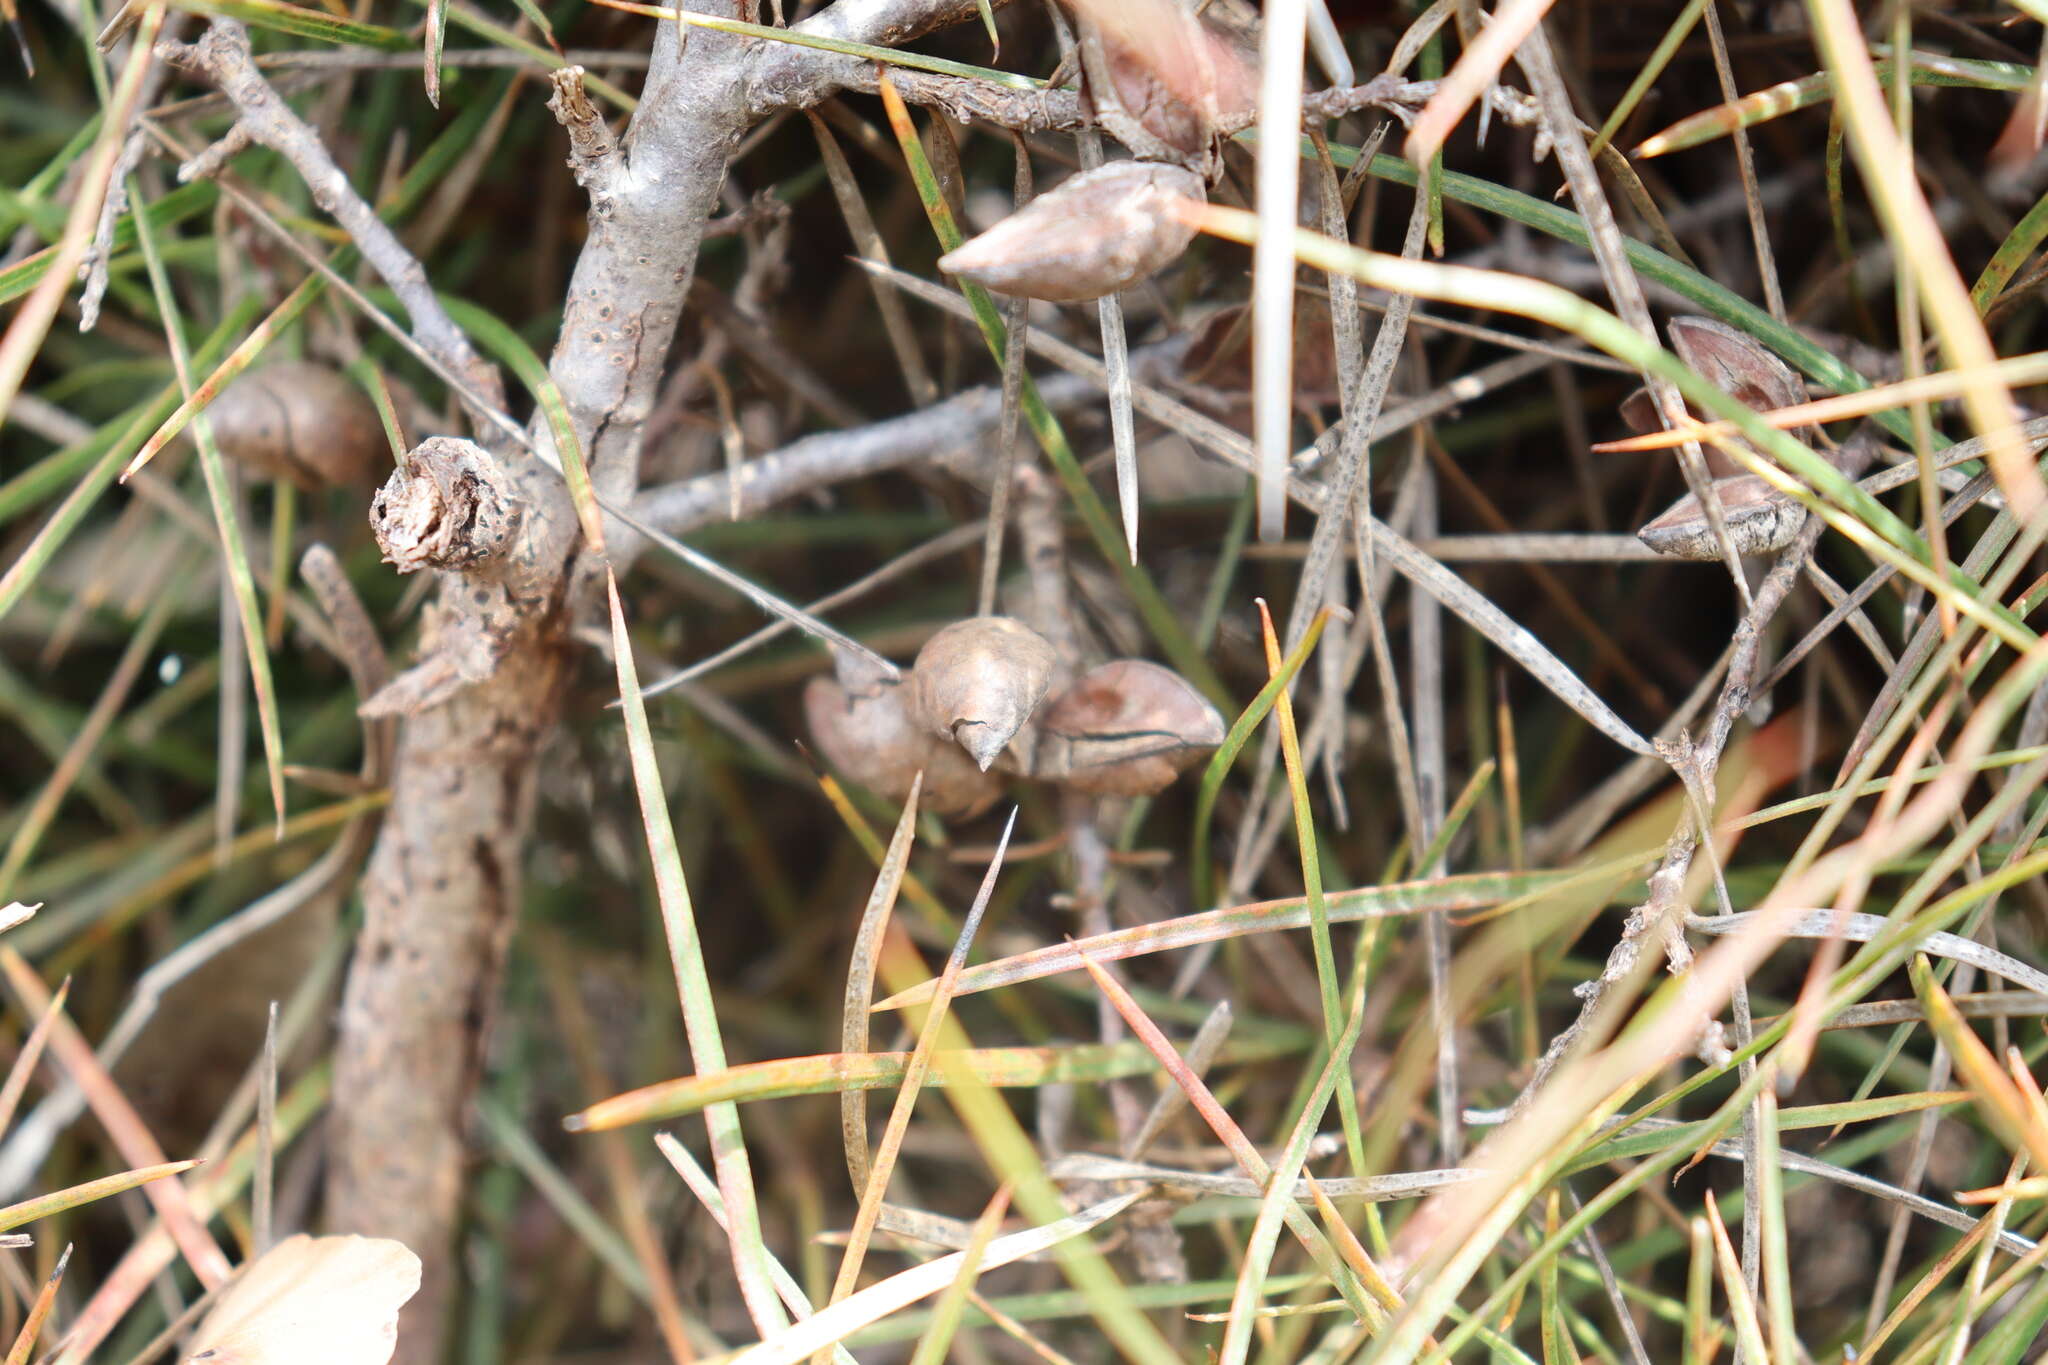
(870, 738)
(1760, 519)
(1125, 728)
(1732, 362)
(977, 682)
(1098, 232)
(1161, 78)
(301, 422)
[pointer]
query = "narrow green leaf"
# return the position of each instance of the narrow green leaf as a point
(693, 984)
(2017, 248)
(242, 579)
(186, 201)
(508, 346)
(1234, 741)
(300, 22)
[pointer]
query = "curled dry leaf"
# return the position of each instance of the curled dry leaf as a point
(1098, 232)
(1126, 728)
(306, 423)
(865, 733)
(312, 1301)
(977, 682)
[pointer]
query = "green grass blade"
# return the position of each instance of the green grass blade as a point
(1234, 741)
(508, 346)
(693, 984)
(300, 22)
(213, 466)
(2017, 248)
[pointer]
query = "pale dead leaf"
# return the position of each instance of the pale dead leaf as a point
(312, 1301)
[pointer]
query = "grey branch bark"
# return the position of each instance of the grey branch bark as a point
(925, 435)
(442, 891)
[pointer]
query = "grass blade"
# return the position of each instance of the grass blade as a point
(693, 983)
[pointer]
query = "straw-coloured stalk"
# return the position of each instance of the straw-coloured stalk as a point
(38, 1313)
(1102, 231)
(977, 682)
(1126, 728)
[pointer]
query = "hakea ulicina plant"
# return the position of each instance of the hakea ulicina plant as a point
(979, 701)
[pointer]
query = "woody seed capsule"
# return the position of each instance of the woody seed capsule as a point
(302, 422)
(1125, 728)
(977, 681)
(1101, 231)
(869, 737)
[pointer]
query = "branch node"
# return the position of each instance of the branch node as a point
(593, 152)
(208, 163)
(448, 506)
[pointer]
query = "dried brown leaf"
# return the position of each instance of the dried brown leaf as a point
(312, 1301)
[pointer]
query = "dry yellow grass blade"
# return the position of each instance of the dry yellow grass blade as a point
(1930, 388)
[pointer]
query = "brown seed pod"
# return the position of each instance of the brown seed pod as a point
(977, 682)
(1161, 79)
(1732, 361)
(1101, 231)
(1760, 518)
(303, 422)
(1217, 361)
(869, 737)
(1760, 521)
(1126, 728)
